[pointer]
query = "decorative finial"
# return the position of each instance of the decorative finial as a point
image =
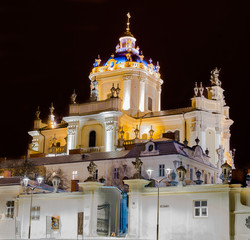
(196, 90)
(136, 131)
(52, 117)
(201, 89)
(129, 16)
(38, 113)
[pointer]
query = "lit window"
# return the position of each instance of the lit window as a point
(74, 175)
(200, 208)
(35, 213)
(161, 170)
(116, 173)
(10, 209)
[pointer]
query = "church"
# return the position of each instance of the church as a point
(124, 118)
(129, 169)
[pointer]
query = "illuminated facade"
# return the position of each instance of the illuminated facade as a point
(125, 110)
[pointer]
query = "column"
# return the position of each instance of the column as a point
(72, 136)
(110, 135)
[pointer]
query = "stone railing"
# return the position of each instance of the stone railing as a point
(57, 150)
(111, 104)
(133, 141)
(92, 149)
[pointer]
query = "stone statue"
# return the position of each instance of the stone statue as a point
(73, 97)
(91, 169)
(137, 165)
(38, 113)
(215, 77)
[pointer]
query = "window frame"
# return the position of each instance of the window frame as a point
(161, 170)
(10, 210)
(116, 173)
(200, 207)
(74, 175)
(35, 213)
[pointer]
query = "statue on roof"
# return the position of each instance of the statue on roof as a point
(215, 77)
(73, 97)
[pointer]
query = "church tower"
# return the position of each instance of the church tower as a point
(137, 80)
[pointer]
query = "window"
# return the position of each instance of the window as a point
(161, 170)
(191, 173)
(35, 213)
(205, 178)
(96, 174)
(212, 180)
(116, 173)
(10, 209)
(150, 104)
(200, 208)
(74, 175)
(92, 139)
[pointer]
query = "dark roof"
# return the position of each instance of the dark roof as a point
(7, 181)
(166, 147)
(169, 112)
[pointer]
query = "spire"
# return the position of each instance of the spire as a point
(128, 33)
(128, 15)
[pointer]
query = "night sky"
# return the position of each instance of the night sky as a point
(47, 49)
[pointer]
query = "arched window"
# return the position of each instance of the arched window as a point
(92, 139)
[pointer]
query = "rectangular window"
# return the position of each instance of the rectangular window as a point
(96, 174)
(200, 208)
(35, 213)
(161, 170)
(191, 173)
(74, 175)
(150, 104)
(116, 173)
(10, 209)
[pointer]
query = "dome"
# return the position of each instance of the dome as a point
(127, 54)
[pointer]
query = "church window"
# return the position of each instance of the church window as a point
(150, 104)
(92, 139)
(74, 175)
(200, 208)
(35, 213)
(9, 209)
(161, 170)
(116, 173)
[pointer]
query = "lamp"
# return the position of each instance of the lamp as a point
(32, 188)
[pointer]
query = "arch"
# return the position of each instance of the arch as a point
(92, 138)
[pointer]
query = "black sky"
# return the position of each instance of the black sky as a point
(47, 49)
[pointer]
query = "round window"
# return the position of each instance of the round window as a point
(150, 147)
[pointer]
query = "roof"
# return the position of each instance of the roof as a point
(8, 181)
(169, 112)
(163, 147)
